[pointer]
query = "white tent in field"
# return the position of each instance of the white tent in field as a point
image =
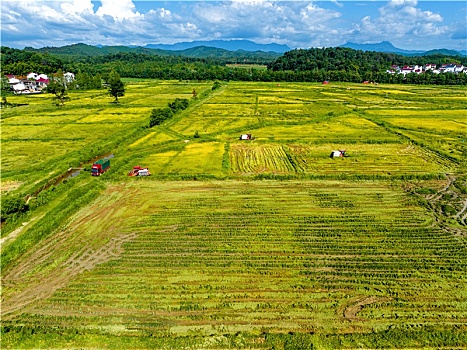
(13, 81)
(340, 153)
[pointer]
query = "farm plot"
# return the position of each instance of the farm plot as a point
(158, 94)
(203, 158)
(209, 119)
(151, 139)
(230, 262)
(40, 140)
(213, 258)
(443, 131)
(337, 130)
(309, 121)
(363, 159)
(368, 159)
(257, 159)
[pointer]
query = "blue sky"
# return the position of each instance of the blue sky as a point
(407, 24)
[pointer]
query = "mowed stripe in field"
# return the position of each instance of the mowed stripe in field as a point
(234, 256)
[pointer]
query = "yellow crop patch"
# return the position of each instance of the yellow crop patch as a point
(247, 159)
(195, 158)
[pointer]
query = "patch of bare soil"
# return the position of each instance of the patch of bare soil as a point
(10, 185)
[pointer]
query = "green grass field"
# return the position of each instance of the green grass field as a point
(267, 243)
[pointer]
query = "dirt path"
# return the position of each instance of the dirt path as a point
(351, 311)
(94, 236)
(438, 195)
(13, 234)
(43, 288)
(464, 208)
(456, 200)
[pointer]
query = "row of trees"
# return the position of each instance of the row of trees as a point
(85, 81)
(341, 58)
(159, 115)
(205, 72)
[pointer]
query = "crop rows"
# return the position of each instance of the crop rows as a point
(259, 159)
(252, 255)
(308, 121)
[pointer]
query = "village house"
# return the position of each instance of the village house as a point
(445, 68)
(406, 70)
(33, 82)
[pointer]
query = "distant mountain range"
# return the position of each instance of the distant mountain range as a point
(229, 45)
(228, 51)
(386, 46)
(205, 52)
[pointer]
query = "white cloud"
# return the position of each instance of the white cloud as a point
(295, 23)
(298, 23)
(77, 7)
(400, 20)
(339, 4)
(118, 9)
(394, 3)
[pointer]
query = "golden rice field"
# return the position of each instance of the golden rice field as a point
(266, 243)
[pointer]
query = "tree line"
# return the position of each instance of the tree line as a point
(341, 58)
(311, 65)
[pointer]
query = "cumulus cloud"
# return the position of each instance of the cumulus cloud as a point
(118, 9)
(400, 19)
(295, 23)
(394, 3)
(77, 7)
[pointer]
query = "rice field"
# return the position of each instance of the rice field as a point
(266, 243)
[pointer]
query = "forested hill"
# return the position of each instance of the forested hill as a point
(80, 52)
(350, 60)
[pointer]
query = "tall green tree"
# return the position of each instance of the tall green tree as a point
(116, 86)
(58, 87)
(5, 88)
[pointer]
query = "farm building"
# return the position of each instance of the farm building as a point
(245, 137)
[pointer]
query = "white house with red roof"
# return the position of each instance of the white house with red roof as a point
(406, 70)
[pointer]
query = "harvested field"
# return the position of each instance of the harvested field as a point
(231, 244)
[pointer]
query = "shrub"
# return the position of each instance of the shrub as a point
(12, 205)
(159, 115)
(448, 209)
(179, 104)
